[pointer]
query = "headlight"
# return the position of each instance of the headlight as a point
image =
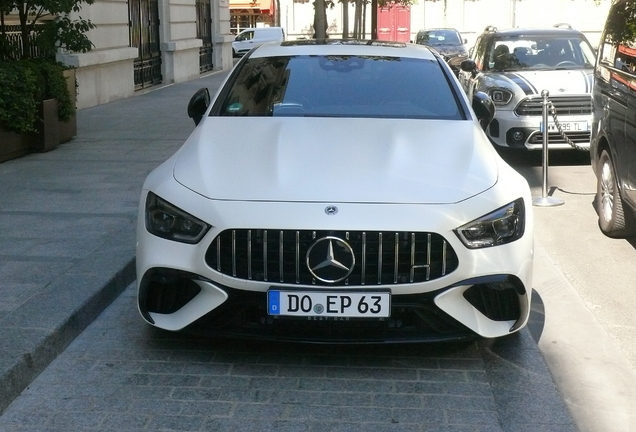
(167, 221)
(502, 226)
(500, 96)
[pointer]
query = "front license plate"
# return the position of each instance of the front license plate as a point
(329, 303)
(566, 126)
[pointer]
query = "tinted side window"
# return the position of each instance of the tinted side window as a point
(625, 59)
(248, 35)
(480, 51)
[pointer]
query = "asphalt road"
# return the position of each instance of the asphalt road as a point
(589, 338)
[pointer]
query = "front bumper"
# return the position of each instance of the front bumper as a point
(523, 132)
(494, 306)
(487, 294)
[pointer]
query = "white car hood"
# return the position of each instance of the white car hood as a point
(557, 82)
(305, 159)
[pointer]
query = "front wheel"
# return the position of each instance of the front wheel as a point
(612, 219)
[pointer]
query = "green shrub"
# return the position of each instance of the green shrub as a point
(18, 96)
(25, 83)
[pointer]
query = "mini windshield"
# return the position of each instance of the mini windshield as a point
(543, 52)
(341, 86)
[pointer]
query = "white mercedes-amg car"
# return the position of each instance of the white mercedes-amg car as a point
(337, 191)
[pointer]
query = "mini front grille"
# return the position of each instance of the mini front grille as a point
(381, 258)
(556, 138)
(564, 105)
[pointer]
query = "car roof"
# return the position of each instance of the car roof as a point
(426, 30)
(344, 47)
(516, 32)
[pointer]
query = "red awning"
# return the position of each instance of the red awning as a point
(625, 50)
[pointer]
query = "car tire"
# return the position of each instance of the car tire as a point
(613, 220)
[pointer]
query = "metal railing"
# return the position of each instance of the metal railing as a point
(11, 44)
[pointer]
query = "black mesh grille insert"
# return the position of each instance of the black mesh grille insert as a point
(499, 303)
(564, 105)
(280, 256)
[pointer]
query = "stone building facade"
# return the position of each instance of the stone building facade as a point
(140, 44)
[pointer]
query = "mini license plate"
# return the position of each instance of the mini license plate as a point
(329, 303)
(581, 126)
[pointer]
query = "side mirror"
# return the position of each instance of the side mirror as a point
(198, 105)
(469, 65)
(484, 108)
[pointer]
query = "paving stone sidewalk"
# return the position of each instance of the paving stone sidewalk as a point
(67, 220)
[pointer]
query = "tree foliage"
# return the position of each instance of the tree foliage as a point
(621, 24)
(48, 22)
(28, 71)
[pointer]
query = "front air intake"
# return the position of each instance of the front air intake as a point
(166, 291)
(497, 301)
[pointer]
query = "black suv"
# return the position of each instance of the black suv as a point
(613, 146)
(446, 41)
(514, 66)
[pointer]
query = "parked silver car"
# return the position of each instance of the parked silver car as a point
(514, 67)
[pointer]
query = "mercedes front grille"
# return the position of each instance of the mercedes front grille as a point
(380, 258)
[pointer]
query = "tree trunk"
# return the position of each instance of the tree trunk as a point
(363, 31)
(357, 22)
(374, 19)
(26, 43)
(320, 19)
(345, 18)
(277, 15)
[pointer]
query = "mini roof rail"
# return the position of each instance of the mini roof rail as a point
(563, 25)
(490, 29)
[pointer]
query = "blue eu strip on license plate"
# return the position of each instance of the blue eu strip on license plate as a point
(329, 303)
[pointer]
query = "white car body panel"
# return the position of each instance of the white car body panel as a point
(557, 82)
(514, 259)
(384, 161)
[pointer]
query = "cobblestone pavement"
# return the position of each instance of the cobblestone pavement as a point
(122, 375)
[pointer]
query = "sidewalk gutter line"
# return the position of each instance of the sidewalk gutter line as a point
(28, 364)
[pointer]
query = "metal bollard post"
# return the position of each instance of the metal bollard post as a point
(544, 200)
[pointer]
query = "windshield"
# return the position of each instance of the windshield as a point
(439, 37)
(341, 86)
(543, 52)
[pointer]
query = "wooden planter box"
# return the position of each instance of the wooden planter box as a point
(48, 135)
(69, 129)
(51, 131)
(13, 145)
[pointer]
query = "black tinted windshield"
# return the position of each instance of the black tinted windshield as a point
(341, 86)
(540, 52)
(439, 37)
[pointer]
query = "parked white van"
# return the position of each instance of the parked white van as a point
(249, 38)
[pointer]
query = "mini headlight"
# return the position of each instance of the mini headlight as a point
(502, 226)
(500, 96)
(167, 221)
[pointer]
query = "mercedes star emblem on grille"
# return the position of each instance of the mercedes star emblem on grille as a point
(331, 210)
(330, 259)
